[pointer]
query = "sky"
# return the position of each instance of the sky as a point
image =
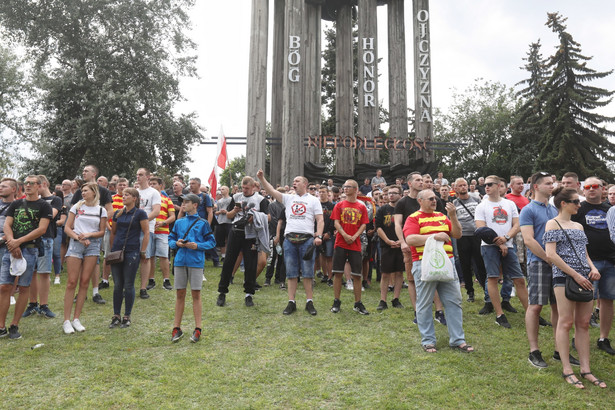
(470, 39)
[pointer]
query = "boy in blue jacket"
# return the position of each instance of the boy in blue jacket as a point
(191, 237)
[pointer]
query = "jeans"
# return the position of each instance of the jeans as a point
(293, 259)
(450, 295)
(31, 257)
(237, 242)
(124, 282)
(57, 244)
(510, 269)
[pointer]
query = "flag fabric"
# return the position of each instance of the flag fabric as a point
(219, 165)
(213, 183)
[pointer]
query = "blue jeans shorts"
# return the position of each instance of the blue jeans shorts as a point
(293, 259)
(31, 256)
(606, 284)
(77, 250)
(493, 258)
(44, 263)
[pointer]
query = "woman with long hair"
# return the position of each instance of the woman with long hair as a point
(566, 248)
(85, 227)
(128, 225)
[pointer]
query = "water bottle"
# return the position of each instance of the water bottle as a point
(278, 249)
(36, 346)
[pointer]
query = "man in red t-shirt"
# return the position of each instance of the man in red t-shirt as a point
(350, 219)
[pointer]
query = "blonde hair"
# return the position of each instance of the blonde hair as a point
(94, 187)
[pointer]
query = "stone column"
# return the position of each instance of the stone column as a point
(398, 103)
(343, 88)
(423, 123)
(277, 86)
(293, 152)
(312, 85)
(257, 87)
(369, 121)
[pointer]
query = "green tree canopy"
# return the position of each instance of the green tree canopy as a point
(108, 75)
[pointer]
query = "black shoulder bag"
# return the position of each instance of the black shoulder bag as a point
(118, 256)
(574, 291)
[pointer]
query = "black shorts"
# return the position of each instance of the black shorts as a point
(221, 234)
(392, 260)
(341, 256)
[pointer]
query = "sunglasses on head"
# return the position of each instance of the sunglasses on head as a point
(573, 201)
(592, 186)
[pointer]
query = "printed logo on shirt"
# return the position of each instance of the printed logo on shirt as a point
(298, 209)
(387, 220)
(500, 216)
(596, 218)
(350, 216)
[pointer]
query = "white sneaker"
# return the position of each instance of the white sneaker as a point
(78, 326)
(56, 280)
(67, 327)
(349, 285)
(13, 301)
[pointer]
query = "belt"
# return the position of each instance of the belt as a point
(30, 245)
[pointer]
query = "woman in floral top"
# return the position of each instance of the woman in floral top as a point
(568, 253)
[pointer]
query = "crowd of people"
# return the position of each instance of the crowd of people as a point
(510, 237)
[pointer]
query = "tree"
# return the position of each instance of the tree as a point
(481, 118)
(574, 139)
(108, 73)
(234, 172)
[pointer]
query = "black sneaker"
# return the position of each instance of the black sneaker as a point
(257, 286)
(330, 283)
(115, 322)
(536, 359)
(4, 332)
(176, 335)
(267, 282)
(125, 323)
(594, 319)
(470, 296)
(502, 321)
(397, 304)
(290, 308)
(167, 285)
(99, 299)
(324, 279)
(309, 306)
(151, 284)
(46, 312)
(249, 302)
(319, 274)
(365, 284)
(336, 305)
(573, 361)
(14, 332)
(544, 322)
(382, 305)
(358, 307)
(103, 285)
(605, 344)
(391, 288)
(508, 307)
(196, 335)
(143, 294)
(221, 299)
(217, 264)
(404, 285)
(439, 316)
(282, 286)
(31, 309)
(488, 308)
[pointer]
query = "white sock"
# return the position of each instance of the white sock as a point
(94, 291)
(292, 301)
(105, 281)
(309, 300)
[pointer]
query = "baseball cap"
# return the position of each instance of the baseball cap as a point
(192, 198)
(486, 234)
(18, 266)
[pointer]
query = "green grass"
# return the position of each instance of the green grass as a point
(256, 357)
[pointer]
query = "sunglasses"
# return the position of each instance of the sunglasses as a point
(433, 198)
(491, 183)
(312, 188)
(30, 183)
(592, 186)
(574, 201)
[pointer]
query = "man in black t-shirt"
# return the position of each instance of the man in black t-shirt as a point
(593, 216)
(89, 174)
(26, 221)
(40, 287)
(328, 239)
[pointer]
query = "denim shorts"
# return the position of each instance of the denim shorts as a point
(161, 244)
(328, 247)
(44, 263)
(493, 258)
(606, 284)
(150, 252)
(31, 256)
(77, 250)
(293, 259)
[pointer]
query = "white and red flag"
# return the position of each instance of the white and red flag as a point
(219, 165)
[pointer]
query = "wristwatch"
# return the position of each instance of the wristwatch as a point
(507, 237)
(319, 237)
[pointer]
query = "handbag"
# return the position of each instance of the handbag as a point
(573, 290)
(116, 257)
(436, 266)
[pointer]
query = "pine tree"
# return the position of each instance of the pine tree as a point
(574, 137)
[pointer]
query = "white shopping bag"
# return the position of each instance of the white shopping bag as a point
(436, 265)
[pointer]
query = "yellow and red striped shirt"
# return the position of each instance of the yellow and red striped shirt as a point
(422, 223)
(166, 209)
(118, 203)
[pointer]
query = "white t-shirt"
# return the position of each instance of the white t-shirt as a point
(148, 198)
(301, 213)
(87, 218)
(497, 216)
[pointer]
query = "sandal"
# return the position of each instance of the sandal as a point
(595, 382)
(568, 378)
(466, 348)
(430, 348)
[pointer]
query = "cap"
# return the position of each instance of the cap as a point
(18, 266)
(192, 198)
(486, 234)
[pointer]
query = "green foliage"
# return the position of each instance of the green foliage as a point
(574, 137)
(480, 117)
(234, 172)
(108, 74)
